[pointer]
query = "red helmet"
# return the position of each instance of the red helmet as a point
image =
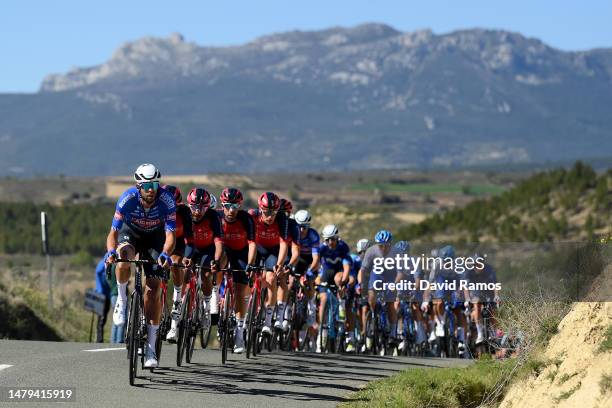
(269, 201)
(286, 206)
(175, 191)
(200, 197)
(231, 195)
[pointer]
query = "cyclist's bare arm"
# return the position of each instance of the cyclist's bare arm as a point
(111, 239)
(315, 262)
(282, 254)
(295, 253)
(252, 253)
(218, 249)
(346, 269)
(170, 242)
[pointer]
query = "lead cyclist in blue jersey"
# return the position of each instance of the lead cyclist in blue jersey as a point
(144, 224)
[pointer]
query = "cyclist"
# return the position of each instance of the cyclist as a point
(273, 239)
(413, 297)
(241, 252)
(382, 249)
(334, 270)
(144, 224)
(286, 207)
(353, 287)
(482, 272)
(362, 245)
(308, 263)
(184, 238)
(207, 245)
(444, 272)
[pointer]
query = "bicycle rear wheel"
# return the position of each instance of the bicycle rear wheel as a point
(251, 324)
(134, 322)
(205, 324)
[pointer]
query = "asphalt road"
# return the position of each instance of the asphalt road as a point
(100, 378)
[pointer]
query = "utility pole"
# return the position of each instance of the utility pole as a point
(45, 248)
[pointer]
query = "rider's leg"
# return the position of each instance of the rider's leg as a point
(152, 311)
(439, 315)
(270, 283)
(122, 275)
(282, 292)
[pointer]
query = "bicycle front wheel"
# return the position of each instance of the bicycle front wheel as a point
(132, 339)
(225, 325)
(183, 327)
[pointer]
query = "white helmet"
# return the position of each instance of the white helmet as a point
(146, 172)
(329, 231)
(363, 244)
(213, 201)
(303, 217)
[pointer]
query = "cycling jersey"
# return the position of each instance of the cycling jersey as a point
(184, 229)
(129, 210)
(309, 245)
(270, 236)
(238, 234)
(487, 275)
(335, 258)
(207, 230)
(356, 265)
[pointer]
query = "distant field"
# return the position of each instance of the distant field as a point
(430, 188)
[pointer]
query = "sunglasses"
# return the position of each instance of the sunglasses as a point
(230, 206)
(332, 239)
(304, 226)
(268, 213)
(197, 207)
(149, 185)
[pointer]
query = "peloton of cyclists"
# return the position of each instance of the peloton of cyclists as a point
(153, 222)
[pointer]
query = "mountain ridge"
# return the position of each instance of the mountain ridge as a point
(364, 97)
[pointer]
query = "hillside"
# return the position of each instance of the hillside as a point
(557, 205)
(343, 98)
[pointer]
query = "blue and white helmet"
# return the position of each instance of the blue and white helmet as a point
(447, 252)
(383, 237)
(403, 246)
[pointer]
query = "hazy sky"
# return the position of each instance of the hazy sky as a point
(42, 37)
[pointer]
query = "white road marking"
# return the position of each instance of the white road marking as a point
(105, 349)
(3, 366)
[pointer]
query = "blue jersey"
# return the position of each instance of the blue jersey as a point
(130, 211)
(294, 230)
(309, 245)
(356, 265)
(335, 258)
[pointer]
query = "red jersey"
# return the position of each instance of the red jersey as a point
(239, 234)
(183, 223)
(270, 236)
(208, 230)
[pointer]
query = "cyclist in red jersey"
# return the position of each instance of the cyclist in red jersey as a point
(184, 238)
(241, 251)
(272, 239)
(207, 244)
(294, 257)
